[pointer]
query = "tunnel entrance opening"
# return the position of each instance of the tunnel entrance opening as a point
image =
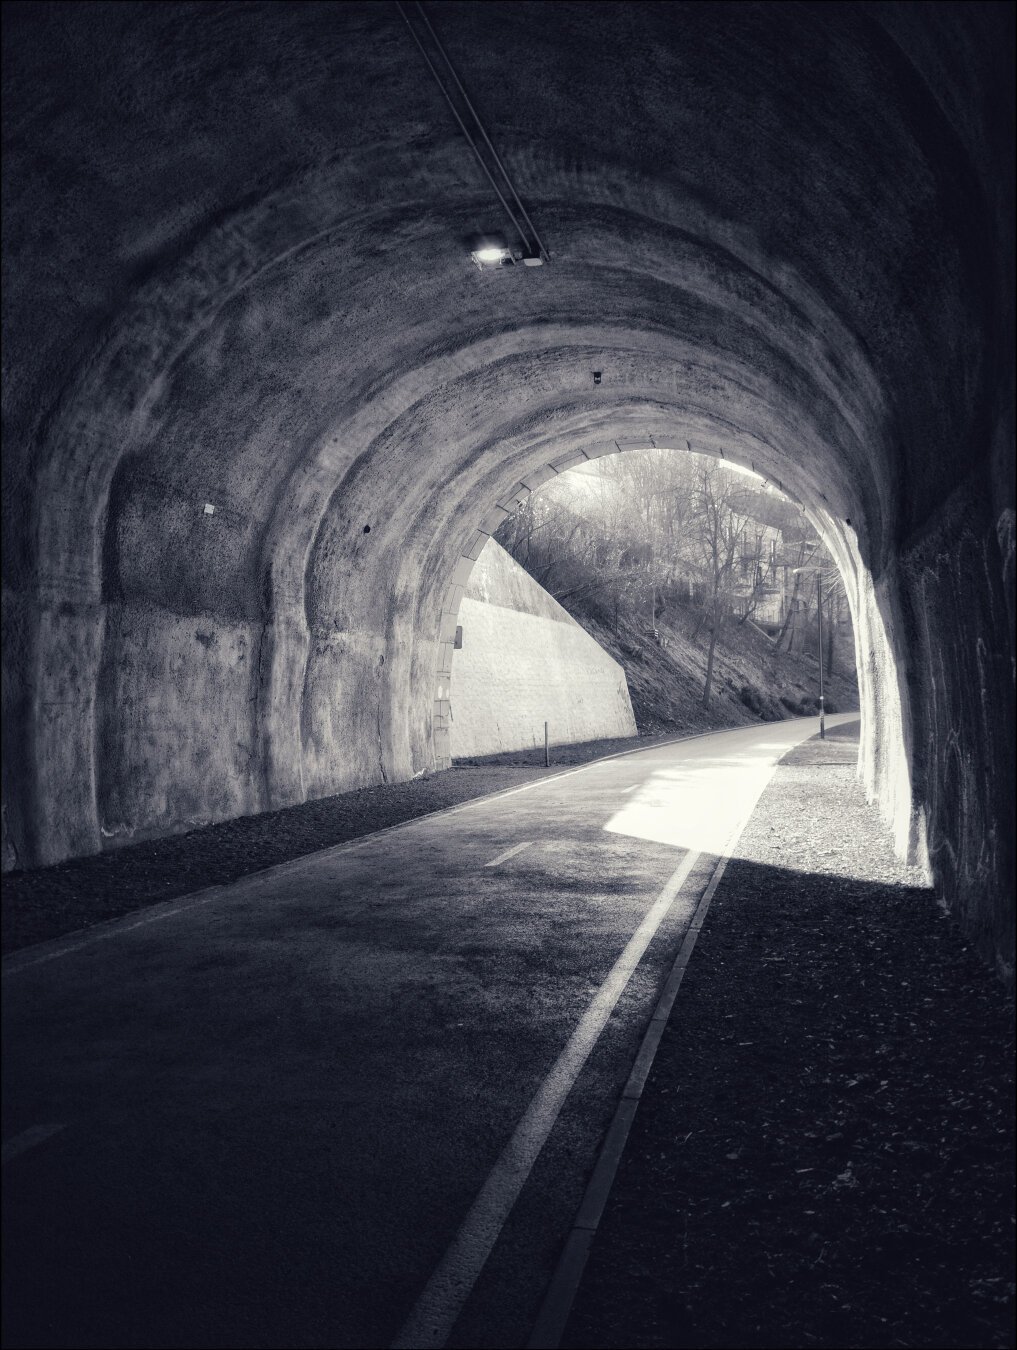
(706, 585)
(282, 321)
(883, 762)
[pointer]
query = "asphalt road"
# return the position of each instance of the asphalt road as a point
(354, 1101)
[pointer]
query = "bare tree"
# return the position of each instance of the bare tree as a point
(804, 551)
(756, 568)
(623, 535)
(653, 503)
(719, 529)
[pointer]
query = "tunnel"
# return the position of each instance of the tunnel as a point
(262, 410)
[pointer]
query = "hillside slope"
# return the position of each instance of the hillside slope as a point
(752, 681)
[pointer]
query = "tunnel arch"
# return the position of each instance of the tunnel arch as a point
(240, 276)
(885, 757)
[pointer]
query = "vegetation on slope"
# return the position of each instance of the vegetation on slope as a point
(668, 560)
(752, 680)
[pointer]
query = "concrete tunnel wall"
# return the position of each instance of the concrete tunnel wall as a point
(236, 273)
(525, 661)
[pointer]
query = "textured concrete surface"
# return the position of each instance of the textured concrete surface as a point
(236, 274)
(524, 661)
(278, 1104)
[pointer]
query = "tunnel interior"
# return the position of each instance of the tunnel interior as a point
(237, 277)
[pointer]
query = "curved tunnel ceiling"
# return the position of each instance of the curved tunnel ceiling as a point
(237, 273)
(278, 199)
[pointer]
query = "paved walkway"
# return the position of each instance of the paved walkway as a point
(271, 1108)
(355, 1101)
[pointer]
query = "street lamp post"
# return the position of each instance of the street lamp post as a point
(822, 705)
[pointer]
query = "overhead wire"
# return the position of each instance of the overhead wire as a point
(487, 140)
(528, 242)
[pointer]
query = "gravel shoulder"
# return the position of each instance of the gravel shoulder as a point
(824, 1152)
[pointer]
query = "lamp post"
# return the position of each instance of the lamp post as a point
(819, 608)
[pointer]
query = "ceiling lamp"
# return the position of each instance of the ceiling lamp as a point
(491, 251)
(488, 253)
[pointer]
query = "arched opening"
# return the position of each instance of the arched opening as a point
(282, 322)
(884, 763)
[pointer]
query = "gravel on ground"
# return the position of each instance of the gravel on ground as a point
(585, 751)
(823, 1156)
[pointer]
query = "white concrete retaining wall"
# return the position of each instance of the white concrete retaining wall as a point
(524, 661)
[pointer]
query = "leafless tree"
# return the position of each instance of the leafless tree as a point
(720, 523)
(620, 536)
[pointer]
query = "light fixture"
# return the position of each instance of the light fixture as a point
(533, 253)
(491, 251)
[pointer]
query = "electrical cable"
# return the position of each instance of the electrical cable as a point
(527, 245)
(465, 130)
(487, 140)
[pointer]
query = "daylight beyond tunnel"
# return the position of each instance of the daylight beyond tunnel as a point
(262, 410)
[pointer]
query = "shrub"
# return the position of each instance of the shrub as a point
(752, 699)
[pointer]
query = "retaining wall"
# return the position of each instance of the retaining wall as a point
(524, 661)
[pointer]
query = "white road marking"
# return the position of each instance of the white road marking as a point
(27, 1139)
(554, 1313)
(436, 1310)
(509, 853)
(39, 953)
(632, 788)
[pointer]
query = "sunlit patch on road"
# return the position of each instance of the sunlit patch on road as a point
(694, 808)
(695, 804)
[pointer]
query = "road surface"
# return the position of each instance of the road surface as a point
(354, 1100)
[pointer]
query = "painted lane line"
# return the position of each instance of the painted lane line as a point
(27, 1139)
(629, 789)
(561, 1292)
(509, 853)
(436, 1310)
(41, 952)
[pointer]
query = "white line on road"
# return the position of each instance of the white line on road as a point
(554, 1313)
(509, 853)
(27, 1139)
(39, 953)
(629, 789)
(435, 1312)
